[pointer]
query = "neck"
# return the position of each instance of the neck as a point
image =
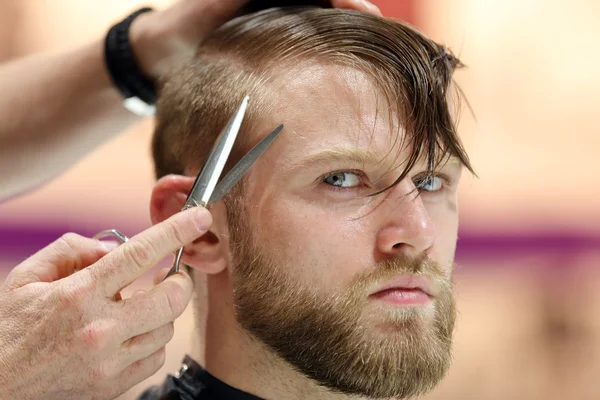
(236, 358)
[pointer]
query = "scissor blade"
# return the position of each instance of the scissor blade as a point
(243, 165)
(213, 167)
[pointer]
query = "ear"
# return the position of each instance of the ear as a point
(208, 253)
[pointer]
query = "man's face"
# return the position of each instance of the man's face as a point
(323, 273)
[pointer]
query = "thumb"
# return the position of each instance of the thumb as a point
(58, 260)
(160, 275)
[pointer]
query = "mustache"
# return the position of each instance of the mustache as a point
(422, 266)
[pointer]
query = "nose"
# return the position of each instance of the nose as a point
(407, 227)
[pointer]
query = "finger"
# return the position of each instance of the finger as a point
(360, 5)
(223, 9)
(141, 346)
(60, 259)
(130, 260)
(141, 370)
(160, 275)
(157, 307)
(204, 16)
(119, 297)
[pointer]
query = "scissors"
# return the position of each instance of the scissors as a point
(207, 190)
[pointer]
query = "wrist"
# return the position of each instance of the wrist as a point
(124, 66)
(160, 40)
(154, 45)
(143, 40)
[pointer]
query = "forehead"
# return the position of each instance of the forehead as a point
(331, 106)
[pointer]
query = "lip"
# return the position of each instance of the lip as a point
(408, 282)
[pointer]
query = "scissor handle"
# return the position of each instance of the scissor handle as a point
(175, 267)
(111, 233)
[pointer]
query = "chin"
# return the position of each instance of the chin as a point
(409, 317)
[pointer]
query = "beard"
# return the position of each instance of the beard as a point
(393, 352)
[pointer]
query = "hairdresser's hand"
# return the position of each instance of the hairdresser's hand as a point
(66, 334)
(161, 38)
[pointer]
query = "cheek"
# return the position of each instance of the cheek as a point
(446, 223)
(319, 248)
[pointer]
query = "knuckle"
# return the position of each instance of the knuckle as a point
(104, 371)
(152, 363)
(94, 337)
(73, 294)
(159, 358)
(166, 333)
(171, 331)
(175, 303)
(140, 253)
(70, 240)
(171, 230)
(70, 237)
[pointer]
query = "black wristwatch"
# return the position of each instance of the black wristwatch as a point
(138, 90)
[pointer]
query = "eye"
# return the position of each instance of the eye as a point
(342, 179)
(430, 183)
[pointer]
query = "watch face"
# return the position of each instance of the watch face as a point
(257, 5)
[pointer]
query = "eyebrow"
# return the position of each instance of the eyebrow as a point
(355, 155)
(337, 154)
(451, 160)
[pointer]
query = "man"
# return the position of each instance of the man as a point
(327, 273)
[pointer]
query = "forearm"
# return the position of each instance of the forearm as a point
(55, 109)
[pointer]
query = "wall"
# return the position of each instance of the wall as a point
(529, 242)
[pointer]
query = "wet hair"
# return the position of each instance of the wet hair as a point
(412, 73)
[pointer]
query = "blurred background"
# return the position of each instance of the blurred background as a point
(529, 246)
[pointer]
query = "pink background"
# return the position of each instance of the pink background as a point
(529, 246)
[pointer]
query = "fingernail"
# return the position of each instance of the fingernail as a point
(372, 7)
(202, 218)
(109, 246)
